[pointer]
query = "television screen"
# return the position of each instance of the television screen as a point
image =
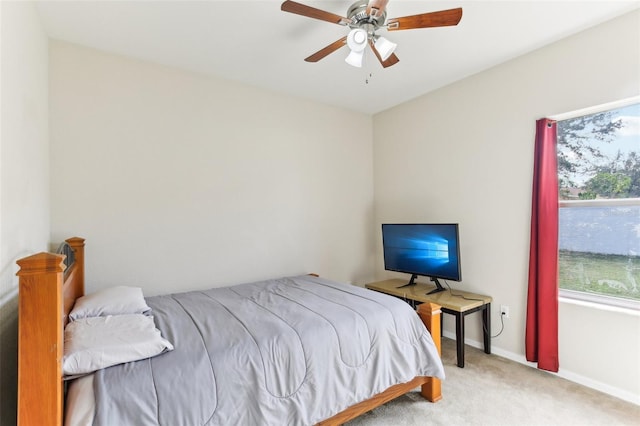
(430, 250)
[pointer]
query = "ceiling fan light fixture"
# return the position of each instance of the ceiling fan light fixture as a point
(385, 47)
(357, 42)
(355, 59)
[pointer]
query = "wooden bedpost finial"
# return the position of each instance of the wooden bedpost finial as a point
(41, 263)
(77, 245)
(75, 242)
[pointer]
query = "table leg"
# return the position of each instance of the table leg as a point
(460, 338)
(486, 326)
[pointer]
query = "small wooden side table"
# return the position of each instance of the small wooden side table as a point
(456, 303)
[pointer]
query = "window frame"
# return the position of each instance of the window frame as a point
(598, 299)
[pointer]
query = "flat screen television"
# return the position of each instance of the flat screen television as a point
(424, 249)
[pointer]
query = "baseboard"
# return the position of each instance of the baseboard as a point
(565, 374)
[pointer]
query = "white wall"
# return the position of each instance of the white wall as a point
(181, 181)
(24, 172)
(465, 154)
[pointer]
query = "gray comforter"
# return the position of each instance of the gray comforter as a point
(291, 351)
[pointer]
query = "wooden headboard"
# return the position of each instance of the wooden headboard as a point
(48, 289)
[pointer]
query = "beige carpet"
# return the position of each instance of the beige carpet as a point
(491, 390)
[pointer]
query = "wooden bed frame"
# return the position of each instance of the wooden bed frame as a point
(48, 290)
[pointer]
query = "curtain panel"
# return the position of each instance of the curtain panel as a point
(541, 341)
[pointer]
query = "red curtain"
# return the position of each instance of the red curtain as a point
(542, 301)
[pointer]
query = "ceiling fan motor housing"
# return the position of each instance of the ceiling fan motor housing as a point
(357, 13)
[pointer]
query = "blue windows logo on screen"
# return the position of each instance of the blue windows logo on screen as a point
(436, 251)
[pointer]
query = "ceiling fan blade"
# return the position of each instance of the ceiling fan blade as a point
(443, 18)
(391, 60)
(327, 50)
(312, 12)
(376, 7)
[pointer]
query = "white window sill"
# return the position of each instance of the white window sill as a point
(623, 306)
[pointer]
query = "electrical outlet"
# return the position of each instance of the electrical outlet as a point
(504, 311)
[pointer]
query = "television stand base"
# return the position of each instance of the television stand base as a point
(411, 282)
(438, 288)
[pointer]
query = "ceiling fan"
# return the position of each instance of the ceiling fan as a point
(365, 17)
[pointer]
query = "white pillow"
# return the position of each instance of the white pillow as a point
(99, 342)
(110, 301)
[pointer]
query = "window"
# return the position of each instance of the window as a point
(599, 217)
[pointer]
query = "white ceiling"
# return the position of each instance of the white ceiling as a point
(256, 43)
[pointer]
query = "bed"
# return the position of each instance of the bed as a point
(50, 283)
